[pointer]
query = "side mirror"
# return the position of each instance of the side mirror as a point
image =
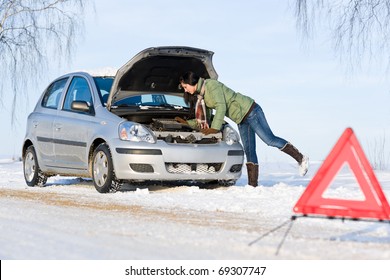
(81, 106)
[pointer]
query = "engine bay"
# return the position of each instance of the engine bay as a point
(172, 131)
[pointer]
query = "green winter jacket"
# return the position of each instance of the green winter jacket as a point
(225, 101)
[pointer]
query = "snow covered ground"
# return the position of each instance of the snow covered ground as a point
(68, 219)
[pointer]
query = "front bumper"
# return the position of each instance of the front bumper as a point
(176, 162)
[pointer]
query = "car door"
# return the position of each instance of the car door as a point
(72, 128)
(41, 123)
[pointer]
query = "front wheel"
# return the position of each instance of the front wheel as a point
(32, 174)
(103, 170)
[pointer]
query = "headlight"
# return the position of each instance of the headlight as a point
(230, 136)
(135, 132)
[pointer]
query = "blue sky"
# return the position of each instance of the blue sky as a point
(307, 93)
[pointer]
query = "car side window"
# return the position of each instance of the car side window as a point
(78, 91)
(52, 97)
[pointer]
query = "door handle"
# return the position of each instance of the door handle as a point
(57, 126)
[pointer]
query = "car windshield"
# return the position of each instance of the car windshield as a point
(153, 100)
(104, 85)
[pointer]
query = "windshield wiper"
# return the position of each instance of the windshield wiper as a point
(123, 106)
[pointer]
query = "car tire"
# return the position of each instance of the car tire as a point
(103, 170)
(32, 174)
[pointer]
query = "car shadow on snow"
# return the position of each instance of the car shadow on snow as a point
(168, 185)
(269, 180)
(61, 181)
(133, 186)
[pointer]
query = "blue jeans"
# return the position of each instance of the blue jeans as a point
(256, 123)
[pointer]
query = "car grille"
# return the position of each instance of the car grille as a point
(184, 168)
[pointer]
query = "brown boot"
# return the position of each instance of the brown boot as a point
(253, 173)
(302, 160)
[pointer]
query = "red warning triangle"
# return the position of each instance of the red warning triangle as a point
(347, 150)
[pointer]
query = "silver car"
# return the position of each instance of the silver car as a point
(122, 128)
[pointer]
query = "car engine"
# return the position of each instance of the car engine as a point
(172, 131)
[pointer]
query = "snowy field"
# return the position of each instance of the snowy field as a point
(68, 219)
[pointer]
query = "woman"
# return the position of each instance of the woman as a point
(241, 109)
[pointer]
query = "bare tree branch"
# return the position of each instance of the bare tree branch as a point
(32, 32)
(360, 28)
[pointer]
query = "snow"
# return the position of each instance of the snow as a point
(104, 71)
(68, 219)
(184, 226)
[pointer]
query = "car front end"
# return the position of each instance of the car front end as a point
(152, 145)
(142, 153)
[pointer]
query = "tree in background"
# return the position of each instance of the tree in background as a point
(360, 28)
(33, 32)
(361, 32)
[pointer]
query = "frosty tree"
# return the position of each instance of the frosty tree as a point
(360, 28)
(31, 33)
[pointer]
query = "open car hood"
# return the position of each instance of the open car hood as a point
(158, 70)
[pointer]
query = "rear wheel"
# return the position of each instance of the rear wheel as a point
(32, 174)
(103, 170)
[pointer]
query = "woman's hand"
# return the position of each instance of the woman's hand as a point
(208, 131)
(180, 120)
